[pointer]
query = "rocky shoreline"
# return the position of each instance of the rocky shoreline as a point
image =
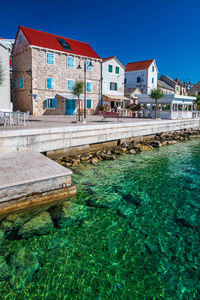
(129, 147)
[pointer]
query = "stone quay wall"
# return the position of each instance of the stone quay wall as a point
(62, 139)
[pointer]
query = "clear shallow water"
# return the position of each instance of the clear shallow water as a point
(137, 234)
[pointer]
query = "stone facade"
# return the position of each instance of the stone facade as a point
(30, 63)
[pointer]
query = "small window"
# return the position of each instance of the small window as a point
(138, 79)
(70, 62)
(152, 80)
(113, 86)
(70, 85)
(117, 70)
(20, 83)
(51, 102)
(177, 88)
(110, 68)
(20, 39)
(50, 58)
(64, 44)
(125, 81)
(152, 68)
(89, 68)
(89, 103)
(50, 83)
(89, 86)
(15, 82)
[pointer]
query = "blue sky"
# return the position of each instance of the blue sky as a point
(168, 31)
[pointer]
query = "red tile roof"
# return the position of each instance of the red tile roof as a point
(107, 58)
(49, 41)
(139, 65)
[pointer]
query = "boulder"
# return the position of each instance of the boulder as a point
(4, 269)
(38, 225)
(132, 151)
(151, 246)
(2, 237)
(23, 264)
(173, 142)
(94, 161)
(155, 144)
(144, 147)
(108, 156)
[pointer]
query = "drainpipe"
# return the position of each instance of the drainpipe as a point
(101, 101)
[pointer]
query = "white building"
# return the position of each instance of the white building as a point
(113, 72)
(5, 94)
(142, 75)
(169, 107)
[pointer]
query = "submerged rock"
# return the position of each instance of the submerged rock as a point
(4, 269)
(2, 237)
(39, 225)
(23, 264)
(71, 213)
(58, 243)
(125, 212)
(151, 245)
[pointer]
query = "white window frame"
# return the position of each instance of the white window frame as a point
(67, 61)
(53, 58)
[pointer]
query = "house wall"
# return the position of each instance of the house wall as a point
(5, 99)
(61, 74)
(112, 77)
(131, 79)
(152, 74)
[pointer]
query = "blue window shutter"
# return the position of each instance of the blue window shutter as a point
(20, 83)
(89, 103)
(50, 58)
(88, 66)
(54, 102)
(47, 103)
(70, 61)
(20, 39)
(89, 86)
(49, 83)
(70, 85)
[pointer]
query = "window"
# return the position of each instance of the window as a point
(110, 68)
(70, 85)
(113, 86)
(117, 70)
(177, 88)
(89, 86)
(51, 102)
(89, 103)
(64, 44)
(20, 83)
(183, 91)
(15, 82)
(152, 68)
(50, 83)
(20, 39)
(89, 68)
(152, 80)
(138, 79)
(50, 58)
(70, 62)
(125, 81)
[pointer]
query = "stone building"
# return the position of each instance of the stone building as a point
(165, 88)
(178, 86)
(45, 69)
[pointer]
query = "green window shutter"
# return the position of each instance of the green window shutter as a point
(115, 86)
(117, 70)
(110, 85)
(110, 68)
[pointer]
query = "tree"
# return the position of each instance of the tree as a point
(77, 91)
(156, 94)
(197, 101)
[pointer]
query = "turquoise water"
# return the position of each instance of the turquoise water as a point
(132, 232)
